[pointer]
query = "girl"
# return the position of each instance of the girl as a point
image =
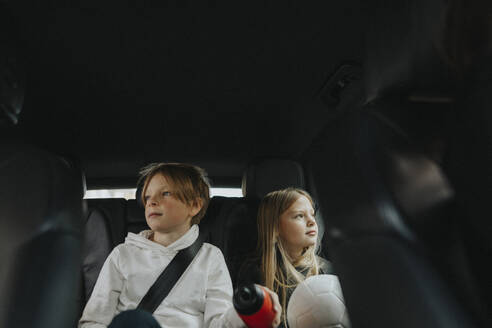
(287, 244)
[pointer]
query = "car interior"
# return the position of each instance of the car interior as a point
(377, 108)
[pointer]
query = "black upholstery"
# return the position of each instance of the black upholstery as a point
(97, 246)
(264, 176)
(135, 217)
(230, 224)
(114, 212)
(389, 208)
(470, 170)
(104, 229)
(378, 224)
(41, 211)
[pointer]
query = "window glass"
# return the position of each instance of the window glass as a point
(111, 193)
(227, 192)
(130, 193)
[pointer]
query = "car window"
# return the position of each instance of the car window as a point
(129, 193)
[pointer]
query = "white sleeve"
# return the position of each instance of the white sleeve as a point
(101, 307)
(219, 311)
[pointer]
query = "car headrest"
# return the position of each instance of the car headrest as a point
(134, 212)
(135, 217)
(40, 237)
(52, 182)
(264, 176)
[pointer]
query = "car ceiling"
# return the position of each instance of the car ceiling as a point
(117, 86)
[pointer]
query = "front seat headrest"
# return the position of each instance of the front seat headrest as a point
(40, 238)
(262, 177)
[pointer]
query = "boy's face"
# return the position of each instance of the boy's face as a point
(163, 211)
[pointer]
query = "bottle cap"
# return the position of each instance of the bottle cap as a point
(248, 299)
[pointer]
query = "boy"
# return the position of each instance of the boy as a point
(176, 197)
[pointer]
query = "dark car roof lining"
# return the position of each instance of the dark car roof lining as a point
(119, 87)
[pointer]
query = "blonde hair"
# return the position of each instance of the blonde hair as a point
(277, 267)
(190, 183)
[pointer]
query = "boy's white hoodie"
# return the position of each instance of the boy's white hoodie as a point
(202, 297)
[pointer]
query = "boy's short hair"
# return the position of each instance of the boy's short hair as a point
(189, 181)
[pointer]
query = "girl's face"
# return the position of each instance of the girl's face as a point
(163, 211)
(297, 227)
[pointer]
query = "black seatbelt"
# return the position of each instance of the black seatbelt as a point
(168, 278)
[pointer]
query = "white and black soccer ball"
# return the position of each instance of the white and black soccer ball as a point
(318, 302)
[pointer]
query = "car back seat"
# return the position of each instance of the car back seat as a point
(104, 229)
(230, 222)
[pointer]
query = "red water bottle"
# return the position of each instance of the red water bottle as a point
(254, 305)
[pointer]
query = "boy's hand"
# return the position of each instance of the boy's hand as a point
(276, 307)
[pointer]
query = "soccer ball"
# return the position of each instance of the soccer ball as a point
(318, 302)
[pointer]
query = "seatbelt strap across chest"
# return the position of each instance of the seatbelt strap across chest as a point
(169, 277)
